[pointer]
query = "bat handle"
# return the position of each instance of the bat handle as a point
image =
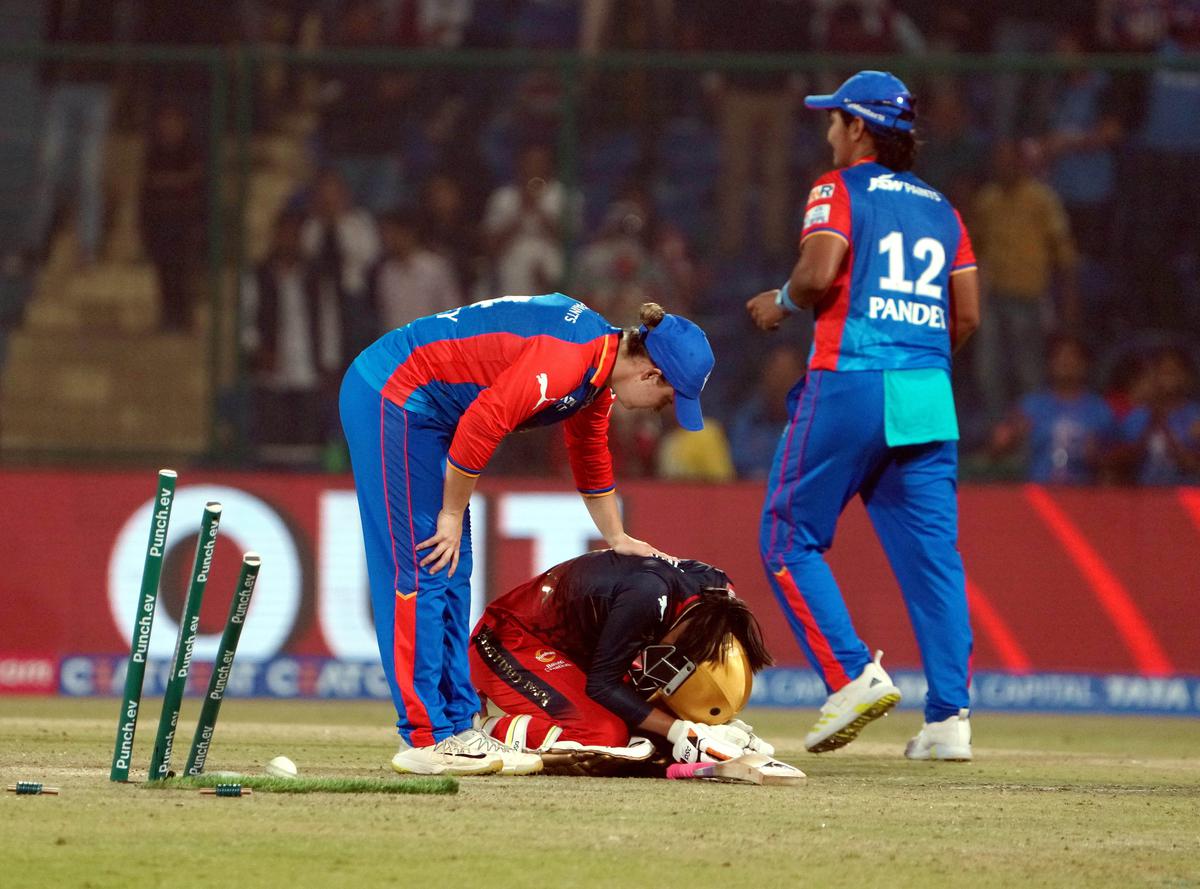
(684, 769)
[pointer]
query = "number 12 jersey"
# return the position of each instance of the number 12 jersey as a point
(889, 307)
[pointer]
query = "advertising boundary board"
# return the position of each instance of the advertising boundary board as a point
(316, 678)
(1061, 581)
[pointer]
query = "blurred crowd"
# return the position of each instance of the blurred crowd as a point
(443, 185)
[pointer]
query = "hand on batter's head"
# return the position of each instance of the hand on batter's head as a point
(696, 742)
(631, 546)
(764, 311)
(446, 543)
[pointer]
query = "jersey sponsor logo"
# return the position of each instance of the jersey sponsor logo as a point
(662, 606)
(574, 312)
(919, 314)
(821, 193)
(888, 182)
(545, 655)
(565, 403)
(818, 215)
(543, 380)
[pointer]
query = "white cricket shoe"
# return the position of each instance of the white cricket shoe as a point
(948, 740)
(513, 761)
(453, 756)
(848, 710)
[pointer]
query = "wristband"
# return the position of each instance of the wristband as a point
(783, 299)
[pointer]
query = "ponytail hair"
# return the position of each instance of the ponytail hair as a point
(650, 315)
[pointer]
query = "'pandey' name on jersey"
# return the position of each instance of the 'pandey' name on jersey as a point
(889, 306)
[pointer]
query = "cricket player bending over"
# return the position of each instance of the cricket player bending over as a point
(606, 645)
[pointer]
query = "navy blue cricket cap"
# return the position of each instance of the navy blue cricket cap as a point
(681, 351)
(879, 98)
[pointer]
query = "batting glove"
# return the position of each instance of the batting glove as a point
(696, 742)
(754, 743)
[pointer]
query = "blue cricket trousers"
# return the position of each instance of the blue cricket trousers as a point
(421, 619)
(832, 448)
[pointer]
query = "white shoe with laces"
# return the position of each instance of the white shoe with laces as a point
(455, 755)
(513, 760)
(948, 740)
(848, 710)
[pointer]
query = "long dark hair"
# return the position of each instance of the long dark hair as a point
(709, 623)
(894, 149)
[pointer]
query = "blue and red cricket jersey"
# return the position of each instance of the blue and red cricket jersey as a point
(438, 395)
(889, 306)
(874, 418)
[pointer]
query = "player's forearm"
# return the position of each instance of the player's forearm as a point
(657, 721)
(457, 491)
(606, 517)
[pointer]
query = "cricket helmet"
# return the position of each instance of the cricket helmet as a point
(712, 692)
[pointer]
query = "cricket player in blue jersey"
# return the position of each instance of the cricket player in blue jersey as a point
(887, 267)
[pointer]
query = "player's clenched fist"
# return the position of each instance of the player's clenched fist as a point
(696, 742)
(764, 311)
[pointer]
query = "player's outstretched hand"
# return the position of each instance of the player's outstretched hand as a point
(696, 742)
(765, 314)
(446, 543)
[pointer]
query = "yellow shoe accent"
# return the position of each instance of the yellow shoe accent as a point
(867, 713)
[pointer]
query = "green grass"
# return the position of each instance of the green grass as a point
(273, 784)
(1049, 801)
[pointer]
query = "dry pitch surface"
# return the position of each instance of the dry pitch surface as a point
(1050, 801)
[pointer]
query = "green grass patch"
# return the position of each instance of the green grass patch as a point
(1052, 802)
(435, 784)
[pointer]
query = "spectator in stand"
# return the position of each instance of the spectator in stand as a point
(1030, 26)
(702, 456)
(291, 336)
(1160, 441)
(618, 270)
(1163, 189)
(755, 117)
(410, 281)
(1022, 237)
(1081, 148)
(366, 110)
(756, 425)
(448, 224)
(953, 151)
(1130, 384)
(78, 107)
(1132, 25)
(523, 225)
(1067, 427)
(342, 242)
(864, 26)
(173, 212)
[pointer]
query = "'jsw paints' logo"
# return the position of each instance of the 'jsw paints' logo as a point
(886, 182)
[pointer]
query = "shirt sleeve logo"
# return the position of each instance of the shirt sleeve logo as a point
(817, 215)
(822, 193)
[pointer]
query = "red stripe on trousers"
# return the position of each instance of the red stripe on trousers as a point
(404, 616)
(1129, 621)
(831, 668)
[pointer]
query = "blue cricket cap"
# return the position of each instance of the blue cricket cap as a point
(681, 351)
(879, 98)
